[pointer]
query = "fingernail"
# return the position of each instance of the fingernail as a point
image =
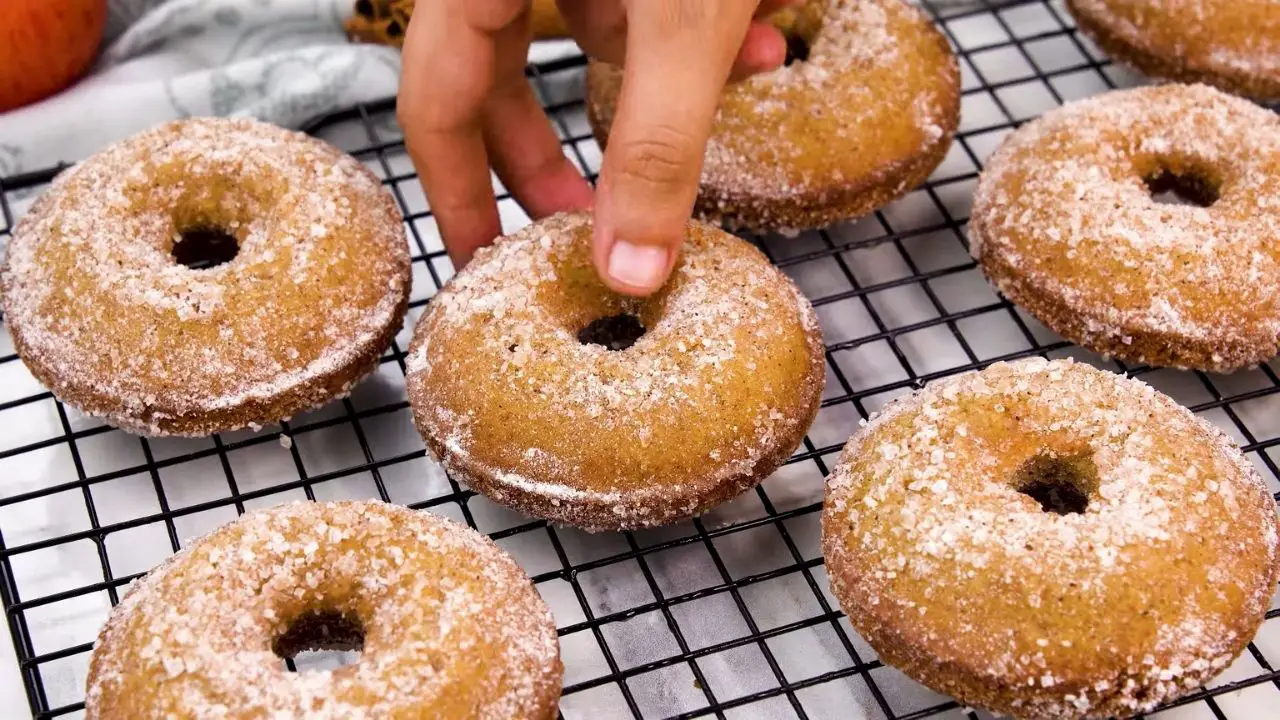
(640, 266)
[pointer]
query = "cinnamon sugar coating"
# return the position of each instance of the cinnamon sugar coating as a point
(715, 395)
(1065, 225)
(964, 581)
(104, 315)
(865, 118)
(1230, 44)
(450, 625)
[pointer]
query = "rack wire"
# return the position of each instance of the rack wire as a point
(728, 615)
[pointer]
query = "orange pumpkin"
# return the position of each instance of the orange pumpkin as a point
(45, 45)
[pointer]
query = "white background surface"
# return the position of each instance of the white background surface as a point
(737, 571)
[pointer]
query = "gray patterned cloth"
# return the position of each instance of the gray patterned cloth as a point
(285, 61)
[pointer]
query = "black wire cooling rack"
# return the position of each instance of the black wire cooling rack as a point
(728, 615)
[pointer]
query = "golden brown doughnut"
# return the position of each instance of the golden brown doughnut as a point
(1065, 224)
(449, 626)
(1048, 540)
(103, 312)
(1231, 44)
(514, 390)
(865, 118)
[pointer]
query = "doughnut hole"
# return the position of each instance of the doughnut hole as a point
(320, 632)
(594, 314)
(615, 332)
(211, 211)
(1169, 189)
(797, 50)
(202, 248)
(799, 27)
(1181, 181)
(1061, 484)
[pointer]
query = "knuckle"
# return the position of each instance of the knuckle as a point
(663, 158)
(680, 14)
(408, 111)
(416, 104)
(545, 164)
(532, 167)
(425, 116)
(454, 200)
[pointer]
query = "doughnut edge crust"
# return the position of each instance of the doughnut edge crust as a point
(1123, 40)
(749, 198)
(551, 486)
(62, 364)
(162, 665)
(1022, 665)
(1034, 262)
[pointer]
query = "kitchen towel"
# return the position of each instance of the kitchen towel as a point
(284, 61)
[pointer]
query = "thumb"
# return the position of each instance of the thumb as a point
(679, 54)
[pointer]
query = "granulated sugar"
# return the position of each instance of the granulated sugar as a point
(514, 403)
(1231, 43)
(1065, 225)
(449, 622)
(103, 314)
(863, 118)
(972, 587)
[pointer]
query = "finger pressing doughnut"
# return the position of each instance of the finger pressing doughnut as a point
(447, 624)
(207, 275)
(1067, 224)
(1048, 540)
(540, 388)
(862, 112)
(1231, 44)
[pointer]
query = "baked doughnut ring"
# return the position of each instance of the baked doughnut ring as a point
(1231, 44)
(864, 117)
(449, 625)
(1048, 540)
(1065, 224)
(542, 389)
(111, 306)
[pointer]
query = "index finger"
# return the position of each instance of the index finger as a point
(449, 60)
(679, 56)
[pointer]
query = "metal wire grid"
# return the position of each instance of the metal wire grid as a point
(738, 599)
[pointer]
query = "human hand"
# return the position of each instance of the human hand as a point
(465, 106)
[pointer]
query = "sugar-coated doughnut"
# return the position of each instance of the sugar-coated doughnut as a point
(864, 117)
(1231, 44)
(1048, 540)
(1065, 224)
(105, 313)
(542, 389)
(448, 625)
